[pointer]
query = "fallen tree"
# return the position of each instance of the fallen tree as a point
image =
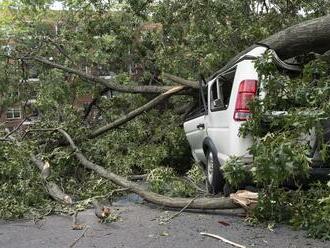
(305, 37)
(155, 139)
(290, 42)
(287, 43)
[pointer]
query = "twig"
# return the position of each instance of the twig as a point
(3, 123)
(80, 237)
(6, 140)
(15, 129)
(111, 193)
(137, 177)
(180, 212)
(38, 130)
(74, 218)
(59, 48)
(222, 239)
(8, 137)
(75, 224)
(190, 181)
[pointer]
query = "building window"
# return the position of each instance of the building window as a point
(14, 113)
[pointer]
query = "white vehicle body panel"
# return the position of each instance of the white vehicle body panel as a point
(195, 137)
(220, 125)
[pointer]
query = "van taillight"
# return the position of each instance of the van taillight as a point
(246, 92)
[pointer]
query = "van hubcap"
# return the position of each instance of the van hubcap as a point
(210, 165)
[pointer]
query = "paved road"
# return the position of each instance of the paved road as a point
(140, 227)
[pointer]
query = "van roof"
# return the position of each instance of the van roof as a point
(253, 53)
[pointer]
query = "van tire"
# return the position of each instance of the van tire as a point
(214, 177)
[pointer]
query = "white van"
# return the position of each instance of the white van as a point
(212, 129)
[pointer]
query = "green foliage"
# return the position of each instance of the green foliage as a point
(142, 144)
(163, 180)
(308, 210)
(293, 108)
(278, 158)
(311, 211)
(21, 188)
(196, 174)
(53, 91)
(281, 148)
(235, 172)
(274, 205)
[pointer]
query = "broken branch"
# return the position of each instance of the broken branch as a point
(179, 80)
(52, 188)
(136, 112)
(222, 239)
(111, 84)
(181, 211)
(80, 237)
(173, 202)
(305, 37)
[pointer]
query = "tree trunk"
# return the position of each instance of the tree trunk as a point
(305, 37)
(309, 36)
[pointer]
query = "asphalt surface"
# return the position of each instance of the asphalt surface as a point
(142, 225)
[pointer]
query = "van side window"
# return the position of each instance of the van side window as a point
(221, 91)
(199, 108)
(216, 98)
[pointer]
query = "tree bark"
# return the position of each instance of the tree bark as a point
(173, 202)
(302, 38)
(308, 36)
(94, 102)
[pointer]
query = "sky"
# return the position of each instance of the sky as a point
(56, 5)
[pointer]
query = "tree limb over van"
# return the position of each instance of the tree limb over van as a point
(305, 37)
(302, 38)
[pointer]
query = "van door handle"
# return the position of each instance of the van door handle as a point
(201, 126)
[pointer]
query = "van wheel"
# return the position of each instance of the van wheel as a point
(214, 178)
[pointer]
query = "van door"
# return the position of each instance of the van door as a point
(196, 132)
(195, 127)
(219, 117)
